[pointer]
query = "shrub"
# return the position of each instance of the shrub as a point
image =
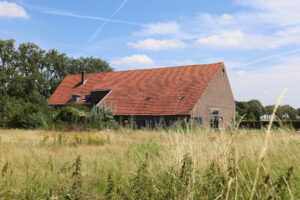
(18, 114)
(102, 117)
(73, 113)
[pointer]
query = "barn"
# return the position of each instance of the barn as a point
(200, 92)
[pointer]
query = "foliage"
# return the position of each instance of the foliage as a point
(253, 110)
(78, 115)
(73, 113)
(18, 113)
(102, 117)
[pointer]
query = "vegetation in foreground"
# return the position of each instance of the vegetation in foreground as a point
(142, 164)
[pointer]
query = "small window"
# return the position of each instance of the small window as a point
(87, 97)
(223, 71)
(75, 97)
(147, 98)
(181, 97)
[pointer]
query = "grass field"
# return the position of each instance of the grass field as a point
(143, 164)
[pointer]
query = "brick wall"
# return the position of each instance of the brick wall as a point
(219, 96)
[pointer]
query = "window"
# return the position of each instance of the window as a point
(214, 118)
(75, 97)
(147, 98)
(181, 97)
(98, 95)
(87, 97)
(223, 71)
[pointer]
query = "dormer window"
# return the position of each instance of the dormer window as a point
(75, 97)
(147, 98)
(181, 97)
(98, 95)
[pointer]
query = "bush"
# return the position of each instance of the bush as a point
(73, 114)
(102, 117)
(80, 117)
(15, 113)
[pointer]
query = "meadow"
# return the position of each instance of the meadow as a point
(149, 164)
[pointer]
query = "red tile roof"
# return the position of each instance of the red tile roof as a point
(130, 89)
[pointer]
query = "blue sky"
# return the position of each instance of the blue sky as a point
(258, 40)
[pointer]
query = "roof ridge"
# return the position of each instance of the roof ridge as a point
(179, 66)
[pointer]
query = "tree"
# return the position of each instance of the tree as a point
(298, 112)
(90, 65)
(287, 111)
(252, 109)
(242, 108)
(256, 108)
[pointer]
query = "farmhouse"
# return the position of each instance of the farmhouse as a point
(201, 92)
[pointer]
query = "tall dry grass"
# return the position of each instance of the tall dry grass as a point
(148, 164)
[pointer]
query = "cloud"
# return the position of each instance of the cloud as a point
(162, 28)
(8, 9)
(241, 40)
(223, 39)
(280, 12)
(266, 83)
(266, 26)
(156, 45)
(133, 61)
(240, 73)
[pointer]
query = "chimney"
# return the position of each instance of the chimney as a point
(83, 77)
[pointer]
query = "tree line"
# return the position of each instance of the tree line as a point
(29, 75)
(254, 110)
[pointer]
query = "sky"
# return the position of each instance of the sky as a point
(258, 40)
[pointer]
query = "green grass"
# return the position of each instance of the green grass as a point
(148, 164)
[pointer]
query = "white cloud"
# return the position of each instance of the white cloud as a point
(225, 38)
(164, 28)
(133, 61)
(270, 24)
(266, 83)
(240, 73)
(239, 39)
(156, 45)
(8, 9)
(280, 12)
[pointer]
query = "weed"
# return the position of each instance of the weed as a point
(75, 193)
(142, 186)
(110, 190)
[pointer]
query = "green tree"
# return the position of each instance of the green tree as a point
(256, 108)
(287, 111)
(90, 65)
(268, 110)
(252, 109)
(242, 108)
